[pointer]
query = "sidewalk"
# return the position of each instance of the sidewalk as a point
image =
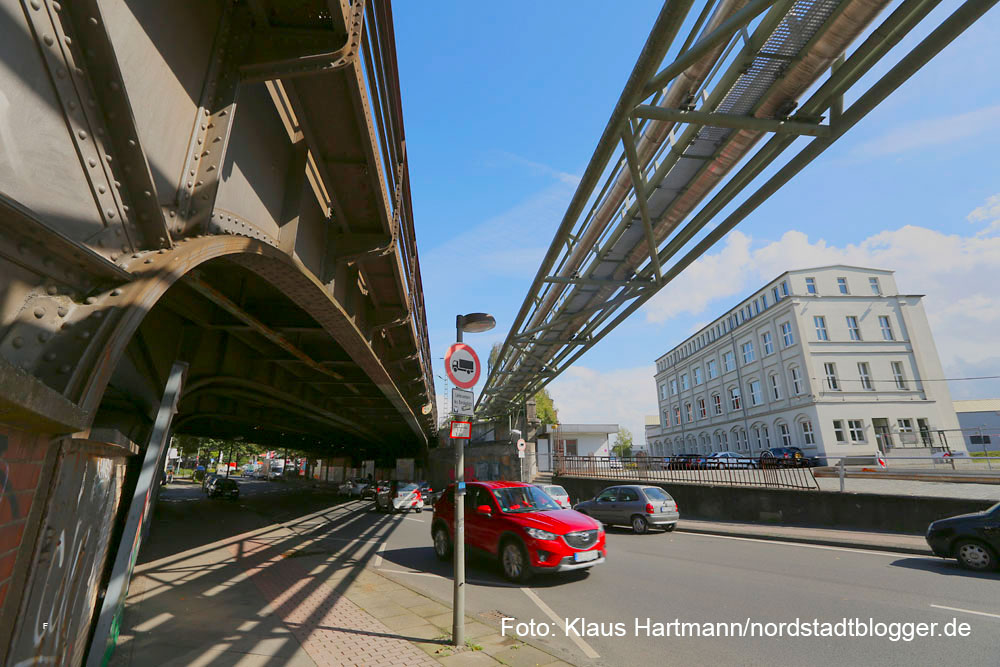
(896, 542)
(295, 593)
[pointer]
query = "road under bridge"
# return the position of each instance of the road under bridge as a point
(222, 183)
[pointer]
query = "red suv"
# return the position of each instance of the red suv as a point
(522, 527)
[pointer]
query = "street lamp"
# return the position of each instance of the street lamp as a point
(473, 323)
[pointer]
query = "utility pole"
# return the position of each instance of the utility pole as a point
(458, 594)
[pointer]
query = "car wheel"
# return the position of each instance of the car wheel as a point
(442, 543)
(973, 555)
(515, 563)
(639, 524)
(419, 510)
(669, 528)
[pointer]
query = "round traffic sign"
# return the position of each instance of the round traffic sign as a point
(462, 365)
(521, 445)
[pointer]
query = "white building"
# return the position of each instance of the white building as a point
(832, 360)
(574, 440)
(980, 423)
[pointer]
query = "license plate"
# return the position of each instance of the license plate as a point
(665, 508)
(584, 556)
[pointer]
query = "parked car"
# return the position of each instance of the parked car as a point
(783, 457)
(729, 460)
(633, 505)
(399, 497)
(370, 490)
(615, 463)
(556, 493)
(686, 462)
(430, 497)
(974, 539)
(520, 526)
(224, 487)
(354, 487)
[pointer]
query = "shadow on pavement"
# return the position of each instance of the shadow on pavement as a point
(945, 567)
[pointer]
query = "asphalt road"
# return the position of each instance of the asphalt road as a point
(707, 579)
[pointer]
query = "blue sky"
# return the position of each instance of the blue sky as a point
(504, 103)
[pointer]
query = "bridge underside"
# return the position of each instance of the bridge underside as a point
(218, 182)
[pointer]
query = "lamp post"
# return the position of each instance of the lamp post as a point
(473, 323)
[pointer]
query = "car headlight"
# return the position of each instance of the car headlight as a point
(540, 534)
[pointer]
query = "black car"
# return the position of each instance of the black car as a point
(686, 462)
(974, 539)
(224, 488)
(784, 457)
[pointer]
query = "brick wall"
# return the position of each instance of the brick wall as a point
(21, 457)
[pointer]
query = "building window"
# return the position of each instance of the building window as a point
(786, 435)
(831, 376)
(767, 343)
(756, 437)
(684, 382)
(569, 447)
(838, 431)
(856, 427)
(677, 415)
(716, 404)
(713, 369)
(979, 439)
(786, 334)
(775, 386)
(756, 307)
(689, 412)
(876, 288)
(905, 425)
(865, 374)
(842, 285)
(852, 327)
(820, 323)
(763, 301)
(767, 436)
(673, 387)
(796, 380)
(734, 398)
(776, 295)
(728, 361)
(886, 326)
(784, 288)
(697, 375)
(741, 439)
(663, 391)
(701, 408)
(811, 285)
(666, 419)
(748, 352)
(807, 433)
(897, 374)
(756, 398)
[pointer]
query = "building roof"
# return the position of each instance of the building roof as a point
(582, 428)
(978, 405)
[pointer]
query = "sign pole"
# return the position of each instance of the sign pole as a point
(458, 546)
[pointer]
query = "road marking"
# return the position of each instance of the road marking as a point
(378, 556)
(894, 554)
(582, 645)
(966, 611)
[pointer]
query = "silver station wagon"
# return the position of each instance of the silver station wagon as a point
(638, 506)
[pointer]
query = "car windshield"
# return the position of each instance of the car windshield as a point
(523, 499)
(654, 493)
(406, 488)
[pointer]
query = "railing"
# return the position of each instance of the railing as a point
(771, 473)
(381, 73)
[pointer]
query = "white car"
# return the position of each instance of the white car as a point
(354, 487)
(556, 493)
(728, 460)
(399, 497)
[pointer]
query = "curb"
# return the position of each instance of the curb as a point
(895, 548)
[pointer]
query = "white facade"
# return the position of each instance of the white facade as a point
(980, 423)
(581, 439)
(832, 360)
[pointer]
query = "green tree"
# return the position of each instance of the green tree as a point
(545, 409)
(494, 355)
(623, 443)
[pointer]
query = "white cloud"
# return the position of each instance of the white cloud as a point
(931, 132)
(624, 396)
(957, 274)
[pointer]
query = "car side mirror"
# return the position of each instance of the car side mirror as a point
(484, 510)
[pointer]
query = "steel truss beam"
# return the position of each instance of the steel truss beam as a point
(512, 378)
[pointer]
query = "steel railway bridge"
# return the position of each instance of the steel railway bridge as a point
(222, 183)
(682, 145)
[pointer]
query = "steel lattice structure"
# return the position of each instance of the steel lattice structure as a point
(677, 134)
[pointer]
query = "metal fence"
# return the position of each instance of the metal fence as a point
(739, 472)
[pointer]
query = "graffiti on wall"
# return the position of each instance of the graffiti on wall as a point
(69, 556)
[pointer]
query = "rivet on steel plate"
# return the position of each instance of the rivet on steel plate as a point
(43, 336)
(39, 313)
(17, 342)
(61, 311)
(47, 39)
